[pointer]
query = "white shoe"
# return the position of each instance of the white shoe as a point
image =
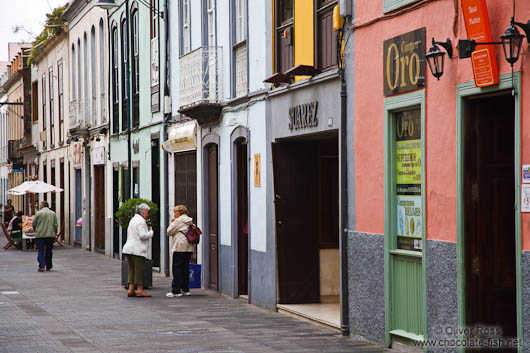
(173, 295)
(187, 294)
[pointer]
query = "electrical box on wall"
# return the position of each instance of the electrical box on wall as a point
(345, 8)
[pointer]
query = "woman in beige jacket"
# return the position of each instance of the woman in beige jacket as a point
(181, 250)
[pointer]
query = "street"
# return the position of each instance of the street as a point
(80, 306)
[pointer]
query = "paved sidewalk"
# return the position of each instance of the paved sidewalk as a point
(80, 307)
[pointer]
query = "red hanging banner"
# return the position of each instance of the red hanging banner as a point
(485, 69)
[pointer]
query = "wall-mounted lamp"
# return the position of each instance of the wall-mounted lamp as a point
(435, 57)
(511, 42)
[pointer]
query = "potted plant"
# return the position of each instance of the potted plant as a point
(123, 216)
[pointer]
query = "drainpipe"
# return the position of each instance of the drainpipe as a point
(344, 310)
(163, 230)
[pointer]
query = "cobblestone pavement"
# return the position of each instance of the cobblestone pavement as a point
(80, 306)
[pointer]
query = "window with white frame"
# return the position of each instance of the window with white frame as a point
(391, 5)
(51, 92)
(185, 40)
(72, 89)
(211, 23)
(43, 88)
(241, 23)
(115, 81)
(60, 84)
(93, 76)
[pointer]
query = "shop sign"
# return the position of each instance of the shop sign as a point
(478, 28)
(303, 116)
(404, 62)
(98, 155)
(257, 169)
(408, 180)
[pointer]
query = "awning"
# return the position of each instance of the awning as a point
(181, 137)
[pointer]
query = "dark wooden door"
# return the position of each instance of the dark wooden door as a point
(213, 216)
(155, 192)
(489, 192)
(296, 204)
(78, 205)
(115, 206)
(242, 218)
(99, 207)
(62, 212)
(186, 181)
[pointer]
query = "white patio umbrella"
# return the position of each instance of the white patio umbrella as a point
(34, 187)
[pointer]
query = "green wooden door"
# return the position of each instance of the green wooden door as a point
(406, 244)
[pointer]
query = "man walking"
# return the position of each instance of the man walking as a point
(45, 227)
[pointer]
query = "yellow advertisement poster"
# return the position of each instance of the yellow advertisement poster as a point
(408, 156)
(408, 162)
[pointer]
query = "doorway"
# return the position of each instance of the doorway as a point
(99, 207)
(489, 221)
(78, 206)
(242, 215)
(61, 199)
(115, 207)
(213, 252)
(155, 192)
(306, 184)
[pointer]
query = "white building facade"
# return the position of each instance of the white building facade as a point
(218, 81)
(88, 118)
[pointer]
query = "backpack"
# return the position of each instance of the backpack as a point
(193, 234)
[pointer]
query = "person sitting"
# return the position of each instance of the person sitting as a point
(15, 228)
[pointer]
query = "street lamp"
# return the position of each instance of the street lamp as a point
(435, 57)
(511, 43)
(106, 4)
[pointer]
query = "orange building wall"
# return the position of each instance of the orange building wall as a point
(441, 22)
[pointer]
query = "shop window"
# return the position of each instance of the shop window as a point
(136, 182)
(284, 35)
(326, 37)
(391, 5)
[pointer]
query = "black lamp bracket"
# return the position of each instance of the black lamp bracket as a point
(467, 46)
(525, 28)
(447, 45)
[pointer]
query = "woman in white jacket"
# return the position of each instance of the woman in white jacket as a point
(181, 250)
(135, 248)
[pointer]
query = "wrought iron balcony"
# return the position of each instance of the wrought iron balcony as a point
(201, 84)
(78, 117)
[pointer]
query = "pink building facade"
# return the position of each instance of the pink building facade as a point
(441, 197)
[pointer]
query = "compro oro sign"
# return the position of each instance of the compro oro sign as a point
(181, 138)
(404, 62)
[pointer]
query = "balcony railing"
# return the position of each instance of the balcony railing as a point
(79, 116)
(201, 83)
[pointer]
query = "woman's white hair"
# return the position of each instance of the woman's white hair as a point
(142, 207)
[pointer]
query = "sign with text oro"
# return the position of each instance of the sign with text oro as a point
(478, 28)
(404, 62)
